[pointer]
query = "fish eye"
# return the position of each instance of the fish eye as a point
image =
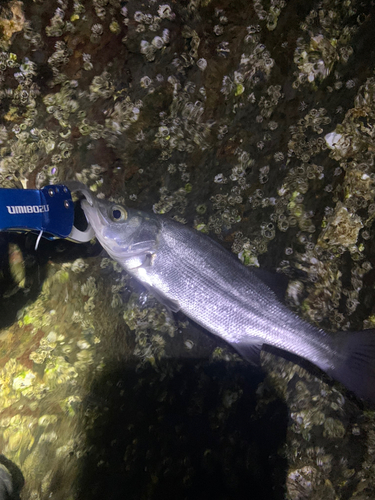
(118, 213)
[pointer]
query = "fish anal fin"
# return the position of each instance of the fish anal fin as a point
(249, 351)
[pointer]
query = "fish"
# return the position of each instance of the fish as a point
(190, 272)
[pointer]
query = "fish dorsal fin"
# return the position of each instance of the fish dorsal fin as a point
(278, 283)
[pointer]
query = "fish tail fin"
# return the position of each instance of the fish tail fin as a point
(357, 368)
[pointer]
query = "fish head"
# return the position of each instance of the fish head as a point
(127, 235)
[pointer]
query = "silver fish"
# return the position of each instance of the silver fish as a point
(188, 271)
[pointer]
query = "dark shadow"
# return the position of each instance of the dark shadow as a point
(11, 479)
(13, 298)
(179, 432)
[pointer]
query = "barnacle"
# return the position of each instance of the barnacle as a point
(11, 22)
(342, 228)
(333, 428)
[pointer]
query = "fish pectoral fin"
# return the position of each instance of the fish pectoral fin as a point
(143, 247)
(249, 350)
(171, 305)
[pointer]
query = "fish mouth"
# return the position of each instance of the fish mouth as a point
(81, 188)
(92, 214)
(87, 203)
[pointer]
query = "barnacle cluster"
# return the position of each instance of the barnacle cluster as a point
(11, 22)
(317, 51)
(150, 326)
(252, 123)
(49, 356)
